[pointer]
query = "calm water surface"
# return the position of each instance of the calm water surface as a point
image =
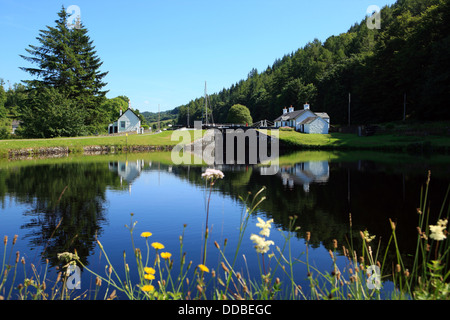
(65, 204)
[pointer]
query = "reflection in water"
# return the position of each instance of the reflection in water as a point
(66, 204)
(305, 173)
(127, 170)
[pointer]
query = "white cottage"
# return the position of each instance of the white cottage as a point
(304, 120)
(127, 122)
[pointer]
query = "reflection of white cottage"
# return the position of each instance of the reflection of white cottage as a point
(127, 122)
(304, 120)
(305, 173)
(128, 171)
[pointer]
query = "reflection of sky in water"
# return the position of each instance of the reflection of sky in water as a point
(163, 200)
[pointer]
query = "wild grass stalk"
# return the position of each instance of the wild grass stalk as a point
(353, 276)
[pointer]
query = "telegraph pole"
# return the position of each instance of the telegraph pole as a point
(404, 107)
(349, 102)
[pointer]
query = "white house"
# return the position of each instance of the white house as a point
(127, 122)
(304, 120)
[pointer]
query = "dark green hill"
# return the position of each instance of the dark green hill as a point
(407, 57)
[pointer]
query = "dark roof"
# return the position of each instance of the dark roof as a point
(295, 114)
(290, 115)
(309, 120)
(323, 115)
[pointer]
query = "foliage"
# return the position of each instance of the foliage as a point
(376, 66)
(361, 277)
(50, 113)
(112, 107)
(239, 114)
(67, 62)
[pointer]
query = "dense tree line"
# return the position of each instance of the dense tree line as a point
(406, 58)
(48, 112)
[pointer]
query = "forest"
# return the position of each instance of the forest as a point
(398, 72)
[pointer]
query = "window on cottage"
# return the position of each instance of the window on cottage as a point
(122, 124)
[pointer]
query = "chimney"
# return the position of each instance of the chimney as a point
(291, 108)
(306, 106)
(284, 110)
(121, 111)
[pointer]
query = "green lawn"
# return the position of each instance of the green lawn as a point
(352, 141)
(290, 139)
(77, 143)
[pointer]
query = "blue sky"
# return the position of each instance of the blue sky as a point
(161, 52)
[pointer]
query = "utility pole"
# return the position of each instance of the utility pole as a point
(188, 116)
(159, 119)
(206, 106)
(404, 107)
(349, 102)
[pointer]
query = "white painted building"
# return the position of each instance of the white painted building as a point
(127, 122)
(304, 120)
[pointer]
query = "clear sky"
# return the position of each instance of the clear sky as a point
(161, 52)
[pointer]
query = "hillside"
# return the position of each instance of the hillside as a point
(399, 70)
(151, 117)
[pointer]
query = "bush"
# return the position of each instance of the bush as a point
(239, 114)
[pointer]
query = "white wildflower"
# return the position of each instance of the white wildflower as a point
(367, 236)
(261, 244)
(437, 231)
(213, 173)
(265, 226)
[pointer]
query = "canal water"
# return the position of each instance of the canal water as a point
(66, 204)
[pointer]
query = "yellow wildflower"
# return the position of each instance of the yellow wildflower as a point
(166, 255)
(146, 234)
(157, 245)
(147, 288)
(203, 268)
(149, 276)
(366, 236)
(149, 270)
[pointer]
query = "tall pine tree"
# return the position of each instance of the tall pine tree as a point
(66, 60)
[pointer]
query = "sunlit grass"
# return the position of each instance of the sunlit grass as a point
(352, 141)
(76, 144)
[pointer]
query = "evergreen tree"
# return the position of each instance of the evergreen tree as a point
(408, 55)
(66, 60)
(48, 113)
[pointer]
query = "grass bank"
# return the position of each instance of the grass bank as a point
(379, 142)
(161, 141)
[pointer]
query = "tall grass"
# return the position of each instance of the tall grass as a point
(154, 273)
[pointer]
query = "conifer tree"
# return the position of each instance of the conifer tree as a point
(66, 60)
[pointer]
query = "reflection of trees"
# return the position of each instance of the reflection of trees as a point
(75, 193)
(72, 194)
(372, 192)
